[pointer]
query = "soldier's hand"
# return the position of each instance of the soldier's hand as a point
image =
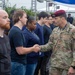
(36, 48)
(36, 45)
(71, 71)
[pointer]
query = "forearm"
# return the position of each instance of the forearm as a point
(46, 47)
(28, 50)
(24, 50)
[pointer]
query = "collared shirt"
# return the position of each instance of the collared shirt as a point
(62, 42)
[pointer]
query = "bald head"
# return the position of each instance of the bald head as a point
(2, 12)
(4, 20)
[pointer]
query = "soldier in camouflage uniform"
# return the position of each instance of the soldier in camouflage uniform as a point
(62, 42)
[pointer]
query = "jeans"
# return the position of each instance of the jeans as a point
(17, 68)
(30, 69)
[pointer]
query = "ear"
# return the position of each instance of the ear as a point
(19, 18)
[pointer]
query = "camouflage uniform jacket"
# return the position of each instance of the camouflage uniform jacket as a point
(62, 42)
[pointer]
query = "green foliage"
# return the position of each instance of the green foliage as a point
(9, 9)
(29, 12)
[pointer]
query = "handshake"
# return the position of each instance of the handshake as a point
(36, 48)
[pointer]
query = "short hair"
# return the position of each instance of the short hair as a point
(69, 14)
(17, 14)
(30, 19)
(42, 15)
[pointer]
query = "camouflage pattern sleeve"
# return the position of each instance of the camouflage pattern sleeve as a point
(73, 46)
(46, 47)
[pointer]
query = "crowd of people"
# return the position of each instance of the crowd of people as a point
(37, 47)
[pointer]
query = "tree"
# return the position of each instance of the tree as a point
(28, 11)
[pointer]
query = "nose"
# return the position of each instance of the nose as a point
(8, 19)
(53, 20)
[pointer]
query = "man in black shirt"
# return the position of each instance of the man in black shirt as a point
(4, 44)
(70, 19)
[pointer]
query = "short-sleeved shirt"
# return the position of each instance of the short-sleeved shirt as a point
(31, 39)
(16, 40)
(5, 60)
(39, 32)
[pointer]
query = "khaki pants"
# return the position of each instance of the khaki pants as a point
(57, 71)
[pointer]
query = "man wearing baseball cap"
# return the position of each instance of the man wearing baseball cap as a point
(62, 44)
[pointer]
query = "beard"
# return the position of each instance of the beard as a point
(6, 26)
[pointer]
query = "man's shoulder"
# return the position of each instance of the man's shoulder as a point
(55, 29)
(72, 30)
(72, 27)
(14, 30)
